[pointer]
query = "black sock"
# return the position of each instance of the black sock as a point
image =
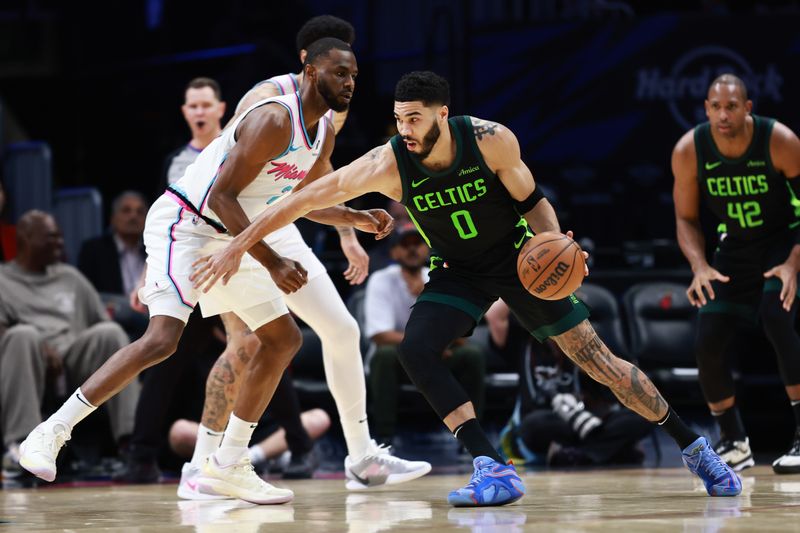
(471, 435)
(679, 431)
(730, 424)
(796, 409)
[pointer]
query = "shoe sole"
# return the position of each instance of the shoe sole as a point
(779, 469)
(471, 503)
(747, 463)
(42, 473)
(393, 479)
(218, 486)
(188, 494)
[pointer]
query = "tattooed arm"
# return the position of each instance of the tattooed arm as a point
(629, 384)
(500, 150)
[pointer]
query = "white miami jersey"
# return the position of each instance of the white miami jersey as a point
(278, 177)
(287, 84)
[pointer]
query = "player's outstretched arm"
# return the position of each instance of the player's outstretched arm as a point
(500, 149)
(374, 172)
(686, 195)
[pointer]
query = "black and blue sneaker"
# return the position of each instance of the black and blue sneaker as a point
(492, 483)
(719, 478)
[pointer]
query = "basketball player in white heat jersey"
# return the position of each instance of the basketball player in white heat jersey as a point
(263, 155)
(319, 305)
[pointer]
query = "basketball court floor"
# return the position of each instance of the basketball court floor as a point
(634, 500)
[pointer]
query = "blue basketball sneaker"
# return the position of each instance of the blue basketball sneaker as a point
(717, 476)
(492, 483)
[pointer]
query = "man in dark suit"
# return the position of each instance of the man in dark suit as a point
(113, 262)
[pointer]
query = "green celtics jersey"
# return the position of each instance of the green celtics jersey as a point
(747, 194)
(465, 213)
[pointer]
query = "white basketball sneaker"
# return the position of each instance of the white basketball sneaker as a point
(789, 463)
(39, 450)
(736, 453)
(239, 480)
(189, 488)
(380, 467)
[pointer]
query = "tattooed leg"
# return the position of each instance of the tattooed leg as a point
(222, 384)
(629, 384)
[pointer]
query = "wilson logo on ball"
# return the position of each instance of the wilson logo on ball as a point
(558, 272)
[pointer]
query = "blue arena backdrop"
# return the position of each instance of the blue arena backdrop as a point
(598, 107)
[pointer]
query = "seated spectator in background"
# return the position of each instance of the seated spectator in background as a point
(562, 417)
(114, 262)
(52, 323)
(270, 437)
(8, 233)
(387, 306)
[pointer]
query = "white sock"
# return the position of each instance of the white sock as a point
(207, 443)
(75, 409)
(356, 435)
(257, 454)
(234, 442)
(320, 306)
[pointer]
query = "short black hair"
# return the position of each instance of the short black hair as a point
(199, 83)
(323, 46)
(116, 205)
(422, 85)
(324, 26)
(730, 79)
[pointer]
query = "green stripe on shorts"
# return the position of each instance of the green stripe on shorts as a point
(578, 314)
(453, 301)
(729, 308)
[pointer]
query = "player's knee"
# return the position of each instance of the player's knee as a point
(154, 347)
(773, 316)
(281, 347)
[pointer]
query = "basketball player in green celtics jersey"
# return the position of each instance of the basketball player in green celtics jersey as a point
(464, 184)
(746, 168)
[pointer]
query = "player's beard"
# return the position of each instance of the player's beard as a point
(331, 100)
(428, 141)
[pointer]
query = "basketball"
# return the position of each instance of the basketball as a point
(551, 266)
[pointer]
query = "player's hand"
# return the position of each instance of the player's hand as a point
(288, 275)
(357, 259)
(376, 221)
(585, 256)
(702, 282)
(134, 301)
(209, 269)
(787, 273)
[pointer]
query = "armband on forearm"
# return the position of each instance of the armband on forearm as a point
(530, 202)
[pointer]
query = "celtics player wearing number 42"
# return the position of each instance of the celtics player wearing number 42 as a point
(464, 183)
(746, 169)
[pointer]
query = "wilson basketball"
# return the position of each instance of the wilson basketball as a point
(551, 265)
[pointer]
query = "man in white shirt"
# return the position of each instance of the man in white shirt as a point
(390, 294)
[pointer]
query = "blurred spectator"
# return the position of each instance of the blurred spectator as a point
(387, 306)
(8, 234)
(114, 262)
(380, 255)
(562, 417)
(203, 110)
(52, 324)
